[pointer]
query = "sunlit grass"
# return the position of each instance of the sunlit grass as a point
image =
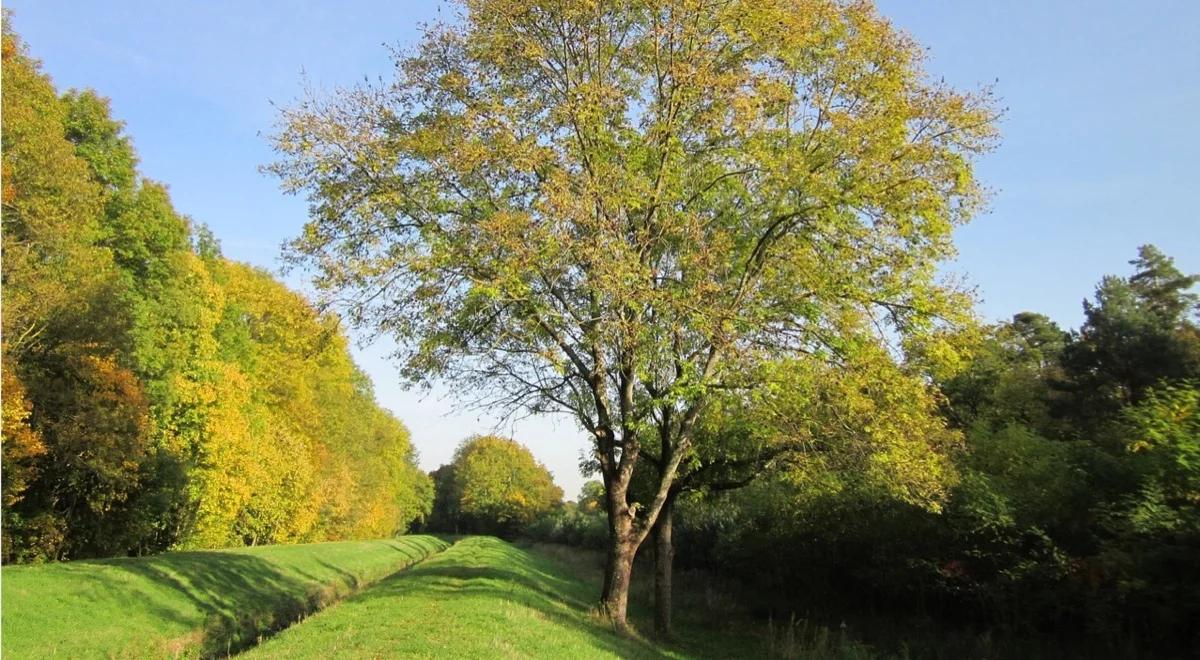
(186, 603)
(481, 597)
(484, 598)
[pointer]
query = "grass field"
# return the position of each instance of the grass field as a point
(186, 603)
(484, 598)
(480, 597)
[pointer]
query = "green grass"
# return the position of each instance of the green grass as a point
(186, 603)
(484, 598)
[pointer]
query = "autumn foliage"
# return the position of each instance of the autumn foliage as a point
(493, 485)
(155, 393)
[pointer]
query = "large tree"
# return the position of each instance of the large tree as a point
(613, 209)
(493, 485)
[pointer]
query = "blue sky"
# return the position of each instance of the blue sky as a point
(1101, 149)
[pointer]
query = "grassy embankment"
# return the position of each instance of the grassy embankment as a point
(187, 603)
(481, 598)
(485, 598)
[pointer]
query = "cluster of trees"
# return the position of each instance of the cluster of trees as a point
(1072, 502)
(493, 485)
(156, 394)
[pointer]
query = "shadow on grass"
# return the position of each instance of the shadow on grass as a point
(230, 600)
(489, 569)
(708, 622)
(240, 597)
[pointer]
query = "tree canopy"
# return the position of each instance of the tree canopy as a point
(611, 210)
(156, 394)
(493, 485)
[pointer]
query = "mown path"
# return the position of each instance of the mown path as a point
(482, 598)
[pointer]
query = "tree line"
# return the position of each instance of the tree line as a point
(155, 393)
(1069, 506)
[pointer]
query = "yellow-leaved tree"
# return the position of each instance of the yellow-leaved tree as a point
(615, 210)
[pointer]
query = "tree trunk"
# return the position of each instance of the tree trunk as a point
(626, 532)
(617, 578)
(622, 547)
(610, 556)
(664, 559)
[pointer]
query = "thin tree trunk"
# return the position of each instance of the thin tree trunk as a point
(610, 558)
(664, 559)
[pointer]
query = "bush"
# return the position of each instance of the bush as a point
(571, 526)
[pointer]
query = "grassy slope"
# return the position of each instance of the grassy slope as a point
(186, 603)
(484, 598)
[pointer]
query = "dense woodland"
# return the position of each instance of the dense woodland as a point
(156, 394)
(716, 242)
(1070, 507)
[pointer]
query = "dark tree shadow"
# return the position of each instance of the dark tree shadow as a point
(485, 569)
(236, 598)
